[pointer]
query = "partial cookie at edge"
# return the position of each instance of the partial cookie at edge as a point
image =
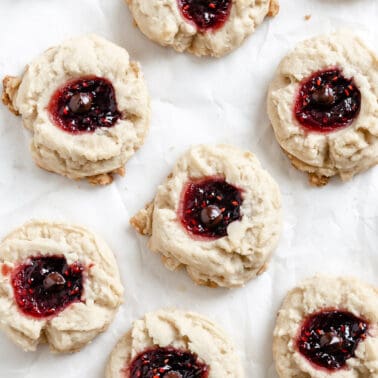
(182, 330)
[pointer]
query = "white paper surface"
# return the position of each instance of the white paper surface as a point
(333, 229)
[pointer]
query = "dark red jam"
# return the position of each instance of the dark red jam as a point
(327, 101)
(329, 338)
(209, 206)
(85, 104)
(206, 14)
(167, 362)
(44, 286)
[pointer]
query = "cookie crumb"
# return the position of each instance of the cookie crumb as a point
(103, 179)
(121, 171)
(274, 8)
(10, 86)
(142, 221)
(106, 178)
(307, 17)
(316, 180)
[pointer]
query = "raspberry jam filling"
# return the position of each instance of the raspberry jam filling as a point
(83, 105)
(44, 286)
(329, 338)
(327, 101)
(206, 14)
(167, 362)
(209, 206)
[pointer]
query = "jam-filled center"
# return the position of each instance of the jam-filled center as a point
(84, 104)
(206, 14)
(167, 362)
(329, 338)
(209, 206)
(327, 101)
(45, 285)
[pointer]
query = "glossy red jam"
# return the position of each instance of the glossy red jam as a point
(327, 101)
(44, 286)
(167, 362)
(329, 338)
(209, 206)
(206, 14)
(85, 104)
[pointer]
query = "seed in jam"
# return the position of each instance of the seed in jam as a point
(206, 14)
(44, 286)
(167, 362)
(209, 206)
(327, 101)
(329, 338)
(85, 104)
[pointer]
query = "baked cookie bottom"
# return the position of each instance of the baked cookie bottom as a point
(321, 176)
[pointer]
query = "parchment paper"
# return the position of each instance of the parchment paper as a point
(333, 229)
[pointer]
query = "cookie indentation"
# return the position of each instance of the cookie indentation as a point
(44, 286)
(327, 101)
(206, 14)
(85, 104)
(167, 362)
(209, 206)
(329, 338)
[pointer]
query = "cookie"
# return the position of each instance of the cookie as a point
(87, 106)
(323, 107)
(174, 344)
(328, 326)
(201, 27)
(59, 284)
(218, 215)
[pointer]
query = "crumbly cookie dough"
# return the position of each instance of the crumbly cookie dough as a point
(311, 296)
(96, 155)
(80, 322)
(322, 155)
(229, 261)
(181, 330)
(162, 22)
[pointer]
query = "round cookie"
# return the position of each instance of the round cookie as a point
(174, 344)
(87, 106)
(328, 326)
(323, 107)
(59, 284)
(218, 215)
(201, 27)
